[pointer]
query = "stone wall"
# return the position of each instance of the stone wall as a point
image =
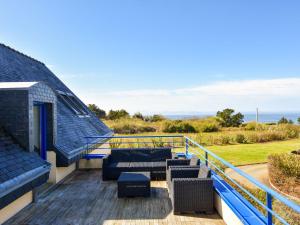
(14, 114)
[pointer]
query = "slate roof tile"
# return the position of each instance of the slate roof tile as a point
(71, 130)
(14, 162)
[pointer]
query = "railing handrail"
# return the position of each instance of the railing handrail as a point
(278, 196)
(148, 136)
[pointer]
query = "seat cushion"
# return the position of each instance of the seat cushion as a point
(140, 155)
(121, 155)
(159, 166)
(119, 165)
(134, 177)
(141, 166)
(160, 154)
(204, 172)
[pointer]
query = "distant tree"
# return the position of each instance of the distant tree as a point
(154, 118)
(138, 115)
(157, 117)
(227, 118)
(98, 112)
(117, 114)
(298, 120)
(283, 120)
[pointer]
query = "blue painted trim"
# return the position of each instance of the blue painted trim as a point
(43, 131)
(181, 154)
(269, 205)
(93, 156)
(243, 209)
(189, 155)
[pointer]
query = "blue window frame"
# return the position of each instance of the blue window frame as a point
(42, 129)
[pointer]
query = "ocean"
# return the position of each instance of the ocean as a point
(263, 117)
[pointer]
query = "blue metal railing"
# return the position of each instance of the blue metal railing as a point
(270, 194)
(188, 145)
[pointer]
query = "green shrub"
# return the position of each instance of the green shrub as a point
(209, 124)
(291, 131)
(284, 172)
(138, 115)
(284, 120)
(270, 123)
(250, 126)
(240, 138)
(178, 126)
(144, 129)
(130, 128)
(100, 113)
(117, 114)
(222, 140)
(288, 164)
(265, 136)
(154, 118)
(255, 126)
(208, 127)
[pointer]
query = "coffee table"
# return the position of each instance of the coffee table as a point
(134, 184)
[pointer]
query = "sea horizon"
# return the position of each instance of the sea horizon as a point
(264, 117)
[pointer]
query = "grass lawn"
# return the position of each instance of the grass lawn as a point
(243, 154)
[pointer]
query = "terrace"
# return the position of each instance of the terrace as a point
(84, 198)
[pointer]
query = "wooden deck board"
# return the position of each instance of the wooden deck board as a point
(85, 199)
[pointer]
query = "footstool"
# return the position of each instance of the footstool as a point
(134, 184)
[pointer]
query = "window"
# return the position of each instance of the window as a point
(73, 103)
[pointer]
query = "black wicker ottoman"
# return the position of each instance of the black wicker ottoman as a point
(134, 184)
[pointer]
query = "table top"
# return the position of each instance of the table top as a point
(134, 176)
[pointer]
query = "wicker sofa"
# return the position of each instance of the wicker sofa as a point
(191, 189)
(151, 160)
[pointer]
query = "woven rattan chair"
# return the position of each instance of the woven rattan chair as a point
(191, 189)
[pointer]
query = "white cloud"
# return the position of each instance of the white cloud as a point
(268, 94)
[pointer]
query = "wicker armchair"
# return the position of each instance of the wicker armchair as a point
(191, 189)
(194, 161)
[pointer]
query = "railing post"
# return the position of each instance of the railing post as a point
(269, 205)
(206, 158)
(186, 146)
(87, 144)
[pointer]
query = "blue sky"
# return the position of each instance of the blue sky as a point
(165, 56)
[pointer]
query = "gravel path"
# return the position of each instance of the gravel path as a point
(257, 171)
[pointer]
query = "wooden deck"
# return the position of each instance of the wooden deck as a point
(85, 199)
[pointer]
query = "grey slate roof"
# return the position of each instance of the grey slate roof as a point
(18, 168)
(71, 129)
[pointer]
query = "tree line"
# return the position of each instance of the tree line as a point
(226, 117)
(122, 113)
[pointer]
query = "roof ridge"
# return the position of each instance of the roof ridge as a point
(21, 53)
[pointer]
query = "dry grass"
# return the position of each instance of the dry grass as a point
(207, 131)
